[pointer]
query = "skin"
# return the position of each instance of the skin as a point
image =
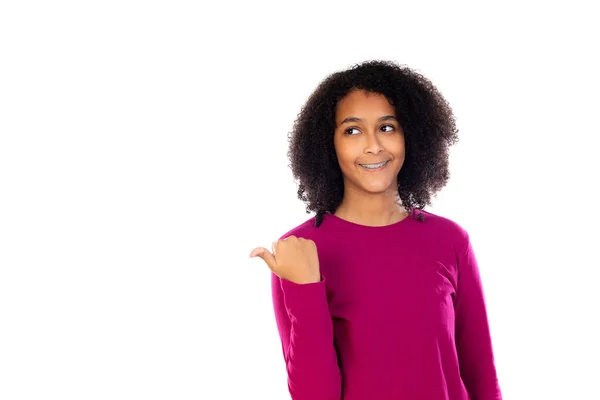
(370, 198)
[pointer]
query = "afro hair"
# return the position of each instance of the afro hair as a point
(426, 119)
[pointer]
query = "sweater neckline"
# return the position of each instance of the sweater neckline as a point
(356, 225)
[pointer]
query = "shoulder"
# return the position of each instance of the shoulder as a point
(306, 230)
(446, 228)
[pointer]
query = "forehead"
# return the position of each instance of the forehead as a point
(359, 103)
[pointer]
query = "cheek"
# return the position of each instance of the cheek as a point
(397, 147)
(346, 154)
(346, 162)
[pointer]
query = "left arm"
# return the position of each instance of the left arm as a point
(472, 333)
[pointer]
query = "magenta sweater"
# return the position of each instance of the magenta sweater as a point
(399, 314)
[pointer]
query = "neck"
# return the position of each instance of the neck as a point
(372, 209)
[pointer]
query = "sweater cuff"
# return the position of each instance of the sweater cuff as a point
(305, 299)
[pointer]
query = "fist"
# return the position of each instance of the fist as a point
(294, 259)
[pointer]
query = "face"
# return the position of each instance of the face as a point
(367, 132)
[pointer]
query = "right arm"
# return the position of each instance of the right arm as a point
(306, 330)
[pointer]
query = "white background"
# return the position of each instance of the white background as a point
(143, 156)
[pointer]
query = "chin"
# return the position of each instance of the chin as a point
(377, 189)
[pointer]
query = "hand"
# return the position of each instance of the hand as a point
(294, 259)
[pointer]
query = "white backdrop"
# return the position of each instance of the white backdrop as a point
(143, 155)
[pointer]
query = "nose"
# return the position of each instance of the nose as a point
(373, 144)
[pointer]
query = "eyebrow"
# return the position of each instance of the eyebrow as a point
(356, 119)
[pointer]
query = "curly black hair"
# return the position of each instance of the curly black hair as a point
(423, 113)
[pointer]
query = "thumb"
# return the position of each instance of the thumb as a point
(265, 255)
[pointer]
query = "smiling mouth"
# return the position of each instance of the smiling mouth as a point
(375, 166)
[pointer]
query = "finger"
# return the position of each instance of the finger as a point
(263, 253)
(254, 252)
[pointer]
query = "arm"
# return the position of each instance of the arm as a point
(306, 331)
(473, 340)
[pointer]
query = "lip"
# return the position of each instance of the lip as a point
(375, 169)
(374, 162)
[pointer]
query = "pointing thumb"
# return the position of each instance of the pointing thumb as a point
(265, 255)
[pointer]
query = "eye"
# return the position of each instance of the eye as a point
(348, 131)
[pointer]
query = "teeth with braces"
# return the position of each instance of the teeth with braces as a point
(373, 166)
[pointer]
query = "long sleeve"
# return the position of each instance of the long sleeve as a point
(306, 330)
(472, 335)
